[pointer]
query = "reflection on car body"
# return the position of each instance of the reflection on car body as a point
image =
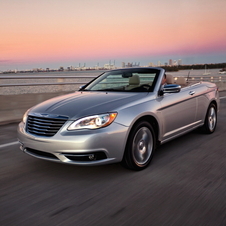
(120, 116)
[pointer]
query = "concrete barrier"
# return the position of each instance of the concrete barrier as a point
(12, 107)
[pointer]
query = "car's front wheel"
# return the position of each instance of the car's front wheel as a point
(140, 146)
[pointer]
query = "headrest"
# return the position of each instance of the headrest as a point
(134, 80)
(169, 79)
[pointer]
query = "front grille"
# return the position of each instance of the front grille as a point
(44, 126)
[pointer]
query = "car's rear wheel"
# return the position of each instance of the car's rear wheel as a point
(140, 146)
(211, 119)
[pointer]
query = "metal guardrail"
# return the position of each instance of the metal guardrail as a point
(83, 80)
(207, 78)
(60, 80)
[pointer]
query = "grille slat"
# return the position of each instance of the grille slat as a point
(44, 126)
(44, 121)
(43, 130)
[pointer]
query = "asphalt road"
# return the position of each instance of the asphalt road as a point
(184, 185)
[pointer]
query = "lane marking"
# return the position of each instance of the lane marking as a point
(9, 144)
(222, 97)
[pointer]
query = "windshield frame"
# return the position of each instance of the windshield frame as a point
(126, 73)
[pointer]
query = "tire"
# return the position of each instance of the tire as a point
(210, 120)
(140, 147)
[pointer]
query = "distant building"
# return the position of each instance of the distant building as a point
(71, 68)
(109, 66)
(170, 62)
(179, 62)
(129, 64)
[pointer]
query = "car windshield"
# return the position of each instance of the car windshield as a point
(125, 80)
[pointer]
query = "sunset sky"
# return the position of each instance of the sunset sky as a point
(54, 33)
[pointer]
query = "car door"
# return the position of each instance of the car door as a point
(203, 96)
(178, 112)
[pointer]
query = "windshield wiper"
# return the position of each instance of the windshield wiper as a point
(105, 90)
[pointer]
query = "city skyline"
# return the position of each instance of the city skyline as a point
(57, 33)
(109, 65)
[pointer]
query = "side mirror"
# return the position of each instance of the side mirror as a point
(171, 88)
(81, 87)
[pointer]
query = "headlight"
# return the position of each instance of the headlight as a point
(25, 116)
(93, 122)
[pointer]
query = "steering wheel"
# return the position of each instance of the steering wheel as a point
(146, 86)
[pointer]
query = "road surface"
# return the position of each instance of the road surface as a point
(184, 185)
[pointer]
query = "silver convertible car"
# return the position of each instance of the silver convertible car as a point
(120, 116)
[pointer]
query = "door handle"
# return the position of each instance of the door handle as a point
(191, 92)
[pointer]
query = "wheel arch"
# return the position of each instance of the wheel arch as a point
(215, 103)
(150, 119)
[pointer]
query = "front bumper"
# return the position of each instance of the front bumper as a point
(84, 147)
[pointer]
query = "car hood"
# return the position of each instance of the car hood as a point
(80, 104)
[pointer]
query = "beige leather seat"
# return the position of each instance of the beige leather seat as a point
(134, 82)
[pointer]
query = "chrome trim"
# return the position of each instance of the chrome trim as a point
(182, 128)
(192, 92)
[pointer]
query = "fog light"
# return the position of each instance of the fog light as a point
(91, 157)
